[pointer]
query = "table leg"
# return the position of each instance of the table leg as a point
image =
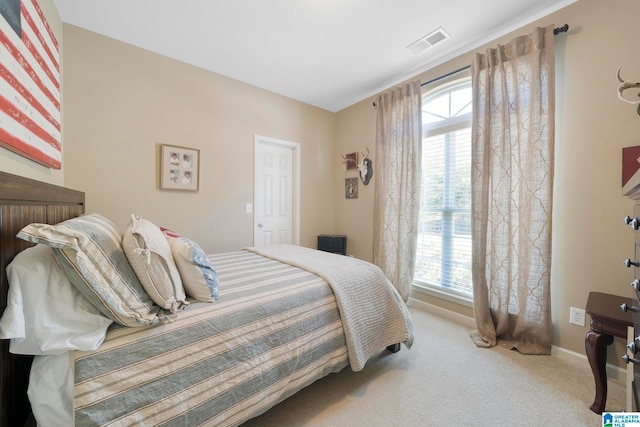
(596, 347)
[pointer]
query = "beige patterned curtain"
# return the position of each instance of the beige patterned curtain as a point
(512, 180)
(397, 191)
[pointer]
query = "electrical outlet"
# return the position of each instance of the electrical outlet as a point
(576, 316)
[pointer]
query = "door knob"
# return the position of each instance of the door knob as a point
(260, 225)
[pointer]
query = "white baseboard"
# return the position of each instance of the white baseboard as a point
(466, 321)
(577, 359)
(613, 371)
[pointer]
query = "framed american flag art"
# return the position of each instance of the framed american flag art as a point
(29, 84)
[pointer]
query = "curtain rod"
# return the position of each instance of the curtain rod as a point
(556, 31)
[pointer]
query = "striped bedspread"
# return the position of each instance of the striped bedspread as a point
(275, 329)
(373, 314)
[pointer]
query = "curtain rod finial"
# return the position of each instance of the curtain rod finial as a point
(562, 29)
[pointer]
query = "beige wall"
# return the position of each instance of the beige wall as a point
(121, 102)
(14, 163)
(356, 130)
(589, 239)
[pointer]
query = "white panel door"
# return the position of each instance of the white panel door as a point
(275, 192)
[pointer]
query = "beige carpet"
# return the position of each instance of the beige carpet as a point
(444, 380)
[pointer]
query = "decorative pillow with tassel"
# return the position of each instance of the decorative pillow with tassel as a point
(150, 257)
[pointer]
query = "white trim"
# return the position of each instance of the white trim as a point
(452, 296)
(295, 147)
(580, 360)
(461, 319)
(613, 372)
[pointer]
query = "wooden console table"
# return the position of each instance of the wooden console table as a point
(607, 321)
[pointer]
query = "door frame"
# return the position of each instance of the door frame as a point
(295, 180)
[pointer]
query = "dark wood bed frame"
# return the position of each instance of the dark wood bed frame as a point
(23, 201)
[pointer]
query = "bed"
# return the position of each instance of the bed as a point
(285, 316)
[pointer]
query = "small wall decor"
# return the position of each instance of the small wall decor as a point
(630, 163)
(179, 168)
(624, 85)
(350, 161)
(365, 168)
(351, 188)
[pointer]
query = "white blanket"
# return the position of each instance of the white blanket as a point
(351, 279)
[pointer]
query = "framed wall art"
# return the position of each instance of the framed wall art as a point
(179, 168)
(350, 161)
(630, 163)
(30, 89)
(351, 188)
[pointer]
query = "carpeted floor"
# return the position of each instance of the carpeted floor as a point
(445, 380)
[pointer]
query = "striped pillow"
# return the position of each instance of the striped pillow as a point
(89, 250)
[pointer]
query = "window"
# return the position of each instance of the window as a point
(443, 259)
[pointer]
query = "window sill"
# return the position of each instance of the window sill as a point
(457, 298)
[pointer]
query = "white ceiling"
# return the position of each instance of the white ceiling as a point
(327, 53)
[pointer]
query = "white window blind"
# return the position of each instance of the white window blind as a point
(444, 235)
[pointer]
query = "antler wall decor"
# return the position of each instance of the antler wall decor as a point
(364, 165)
(627, 84)
(365, 168)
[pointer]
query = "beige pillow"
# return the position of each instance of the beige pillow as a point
(198, 276)
(150, 257)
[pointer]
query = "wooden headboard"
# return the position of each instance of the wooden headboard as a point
(23, 201)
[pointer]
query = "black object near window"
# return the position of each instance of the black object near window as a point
(333, 243)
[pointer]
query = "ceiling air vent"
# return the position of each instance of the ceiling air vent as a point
(428, 41)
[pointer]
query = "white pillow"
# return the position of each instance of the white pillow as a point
(150, 257)
(50, 390)
(199, 278)
(46, 314)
